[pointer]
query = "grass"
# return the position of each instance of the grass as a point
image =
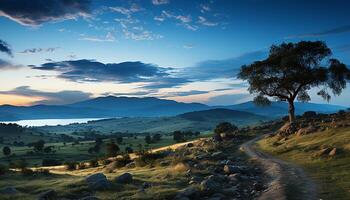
(78, 152)
(330, 172)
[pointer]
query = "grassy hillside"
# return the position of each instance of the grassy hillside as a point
(314, 152)
(194, 121)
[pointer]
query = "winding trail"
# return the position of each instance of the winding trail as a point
(285, 180)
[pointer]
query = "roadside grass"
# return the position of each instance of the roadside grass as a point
(330, 172)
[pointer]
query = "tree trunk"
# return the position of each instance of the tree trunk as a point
(291, 111)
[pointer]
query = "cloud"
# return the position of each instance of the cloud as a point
(5, 65)
(184, 20)
(61, 97)
(108, 38)
(227, 68)
(160, 2)
(203, 21)
(132, 29)
(204, 8)
(229, 99)
(188, 46)
(187, 93)
(152, 76)
(39, 50)
(337, 30)
(126, 11)
(36, 12)
(343, 48)
(4, 47)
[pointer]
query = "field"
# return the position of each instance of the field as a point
(79, 152)
(311, 152)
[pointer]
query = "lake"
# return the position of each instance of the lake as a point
(51, 122)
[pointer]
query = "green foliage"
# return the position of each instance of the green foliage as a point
(6, 151)
(112, 149)
(291, 70)
(51, 162)
(39, 145)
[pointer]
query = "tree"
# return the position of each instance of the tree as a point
(157, 137)
(112, 149)
(148, 139)
(178, 136)
(291, 70)
(6, 150)
(128, 150)
(225, 127)
(119, 140)
(39, 145)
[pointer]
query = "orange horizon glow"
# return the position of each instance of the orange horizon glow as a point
(17, 100)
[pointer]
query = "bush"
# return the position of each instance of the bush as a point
(93, 163)
(146, 158)
(44, 172)
(70, 165)
(27, 172)
(19, 164)
(50, 162)
(81, 165)
(308, 114)
(3, 169)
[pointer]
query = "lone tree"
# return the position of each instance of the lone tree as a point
(291, 70)
(6, 151)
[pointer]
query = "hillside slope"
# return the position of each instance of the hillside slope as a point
(323, 152)
(194, 121)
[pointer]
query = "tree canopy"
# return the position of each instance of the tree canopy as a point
(291, 70)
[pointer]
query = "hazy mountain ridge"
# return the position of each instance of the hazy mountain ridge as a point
(111, 106)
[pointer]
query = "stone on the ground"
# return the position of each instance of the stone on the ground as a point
(231, 169)
(210, 185)
(98, 182)
(124, 178)
(333, 152)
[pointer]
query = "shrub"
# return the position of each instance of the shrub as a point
(44, 172)
(93, 163)
(70, 165)
(27, 172)
(81, 165)
(6, 150)
(3, 169)
(50, 162)
(146, 158)
(308, 114)
(19, 164)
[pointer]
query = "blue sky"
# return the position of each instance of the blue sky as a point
(184, 50)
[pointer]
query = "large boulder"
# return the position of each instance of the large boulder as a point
(231, 169)
(287, 129)
(307, 130)
(124, 178)
(98, 182)
(48, 195)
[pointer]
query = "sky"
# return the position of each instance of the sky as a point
(64, 51)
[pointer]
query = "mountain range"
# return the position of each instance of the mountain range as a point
(111, 106)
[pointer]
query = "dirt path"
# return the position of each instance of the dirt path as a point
(286, 181)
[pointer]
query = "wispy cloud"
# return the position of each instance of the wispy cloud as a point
(337, 30)
(205, 22)
(108, 38)
(132, 29)
(188, 46)
(204, 8)
(160, 2)
(184, 20)
(126, 11)
(39, 50)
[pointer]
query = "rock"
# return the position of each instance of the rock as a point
(9, 191)
(287, 129)
(124, 178)
(229, 191)
(217, 155)
(231, 169)
(233, 178)
(48, 195)
(165, 163)
(146, 185)
(189, 145)
(333, 152)
(211, 185)
(323, 152)
(130, 165)
(98, 182)
(307, 130)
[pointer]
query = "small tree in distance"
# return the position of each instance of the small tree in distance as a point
(6, 150)
(291, 70)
